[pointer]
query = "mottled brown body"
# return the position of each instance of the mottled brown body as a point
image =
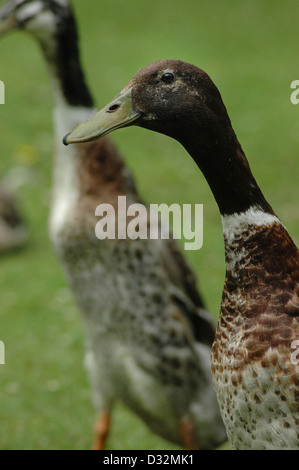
(147, 331)
(256, 382)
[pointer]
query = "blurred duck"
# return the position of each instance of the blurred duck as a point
(13, 231)
(254, 362)
(148, 334)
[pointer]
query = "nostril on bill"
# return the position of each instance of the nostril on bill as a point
(113, 108)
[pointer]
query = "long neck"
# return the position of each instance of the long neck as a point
(258, 248)
(221, 159)
(72, 105)
(85, 171)
(250, 227)
(62, 55)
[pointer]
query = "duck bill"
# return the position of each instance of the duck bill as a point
(119, 113)
(8, 20)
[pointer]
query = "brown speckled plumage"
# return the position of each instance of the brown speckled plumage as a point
(147, 331)
(255, 377)
(259, 320)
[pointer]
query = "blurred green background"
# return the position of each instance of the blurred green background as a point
(250, 49)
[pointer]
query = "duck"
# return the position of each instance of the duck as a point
(255, 378)
(148, 333)
(13, 229)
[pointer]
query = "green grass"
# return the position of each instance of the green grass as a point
(250, 51)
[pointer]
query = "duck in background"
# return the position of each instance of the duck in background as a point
(13, 230)
(148, 334)
(256, 380)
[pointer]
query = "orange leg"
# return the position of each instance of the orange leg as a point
(101, 430)
(186, 431)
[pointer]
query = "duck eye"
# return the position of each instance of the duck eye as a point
(167, 77)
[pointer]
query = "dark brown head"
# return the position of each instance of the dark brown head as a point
(180, 100)
(168, 96)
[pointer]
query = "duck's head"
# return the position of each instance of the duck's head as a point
(180, 100)
(168, 96)
(42, 18)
